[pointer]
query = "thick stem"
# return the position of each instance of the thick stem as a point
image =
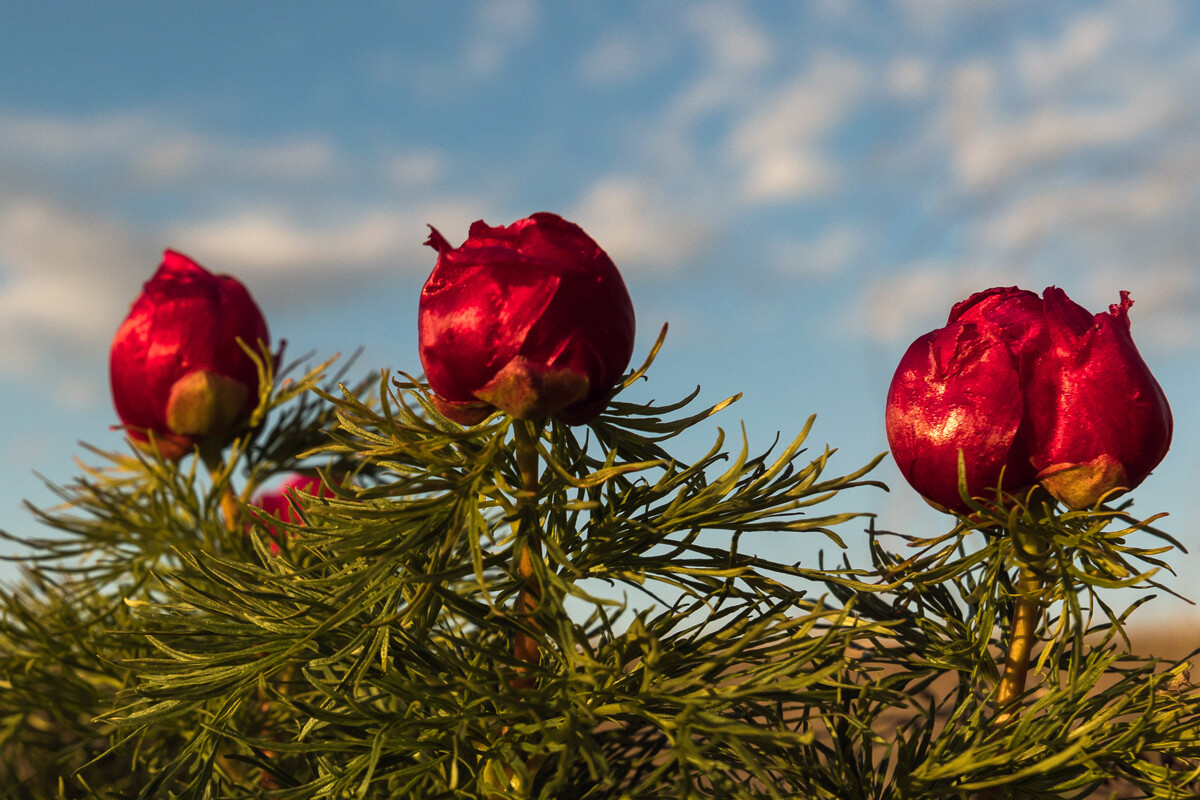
(1027, 608)
(210, 453)
(525, 647)
(229, 508)
(1027, 611)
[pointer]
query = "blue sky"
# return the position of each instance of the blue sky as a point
(799, 189)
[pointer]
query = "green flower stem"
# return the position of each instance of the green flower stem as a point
(210, 453)
(1027, 611)
(525, 647)
(500, 774)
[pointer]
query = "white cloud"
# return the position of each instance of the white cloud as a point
(175, 156)
(484, 37)
(499, 27)
(785, 173)
(635, 225)
(1069, 210)
(59, 138)
(1043, 102)
(1069, 157)
(780, 145)
(897, 308)
(733, 41)
(623, 56)
(137, 144)
(171, 158)
(828, 254)
(735, 51)
(937, 18)
(277, 225)
(68, 279)
(275, 245)
(292, 217)
(268, 240)
(732, 124)
(988, 151)
(415, 169)
(1059, 61)
(908, 76)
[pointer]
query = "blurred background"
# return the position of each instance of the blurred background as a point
(799, 189)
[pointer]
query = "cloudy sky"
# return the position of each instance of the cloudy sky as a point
(799, 189)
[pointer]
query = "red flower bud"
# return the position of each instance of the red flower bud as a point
(1111, 424)
(176, 367)
(1036, 389)
(532, 319)
(280, 503)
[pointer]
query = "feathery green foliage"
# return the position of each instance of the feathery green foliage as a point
(158, 649)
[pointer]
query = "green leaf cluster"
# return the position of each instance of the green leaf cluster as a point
(158, 647)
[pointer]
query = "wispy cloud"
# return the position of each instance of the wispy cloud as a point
(898, 307)
(831, 252)
(1086, 206)
(417, 169)
(176, 156)
(989, 149)
(740, 131)
(268, 240)
(622, 56)
(272, 244)
(148, 150)
(1062, 60)
(1038, 158)
(734, 50)
(637, 227)
(288, 216)
(780, 145)
(67, 275)
(1067, 156)
(498, 27)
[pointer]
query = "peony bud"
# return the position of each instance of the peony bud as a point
(281, 503)
(532, 319)
(1111, 424)
(1031, 389)
(176, 367)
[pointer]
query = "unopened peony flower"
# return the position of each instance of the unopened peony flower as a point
(1034, 388)
(281, 503)
(176, 367)
(532, 319)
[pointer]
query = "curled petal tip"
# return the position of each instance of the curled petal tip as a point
(437, 241)
(1121, 309)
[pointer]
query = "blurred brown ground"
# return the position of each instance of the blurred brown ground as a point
(1171, 642)
(1166, 639)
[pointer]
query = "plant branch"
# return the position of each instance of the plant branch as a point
(210, 453)
(1027, 611)
(529, 548)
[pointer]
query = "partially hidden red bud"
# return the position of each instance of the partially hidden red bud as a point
(1028, 390)
(283, 503)
(176, 368)
(532, 319)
